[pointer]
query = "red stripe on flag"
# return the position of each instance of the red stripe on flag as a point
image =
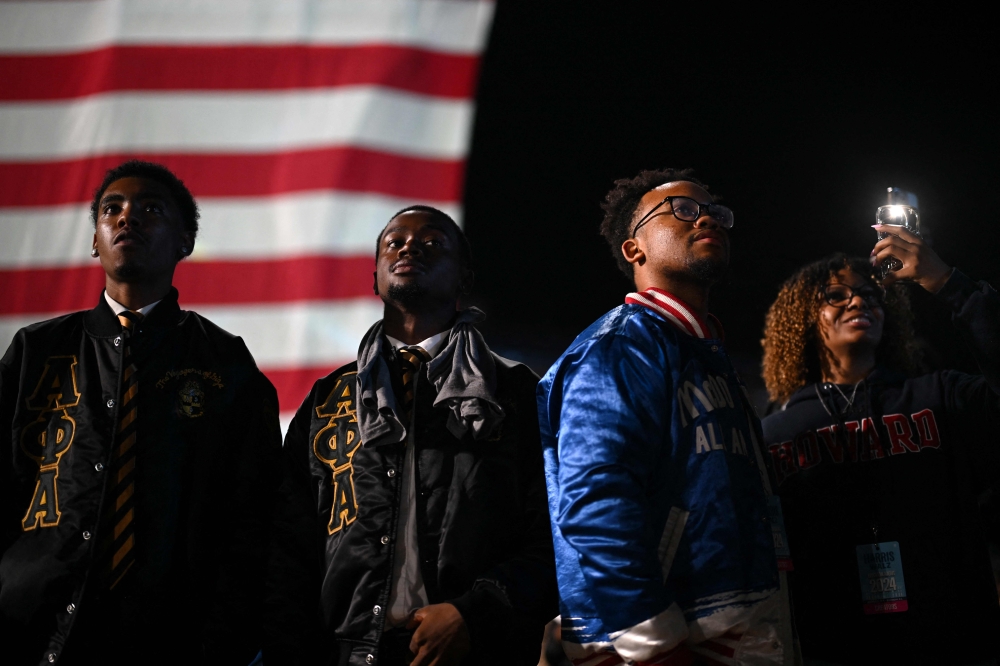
(40, 290)
(294, 384)
(123, 68)
(243, 175)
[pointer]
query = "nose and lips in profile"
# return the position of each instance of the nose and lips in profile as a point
(710, 232)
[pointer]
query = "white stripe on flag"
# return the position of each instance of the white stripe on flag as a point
(363, 116)
(285, 420)
(61, 27)
(278, 336)
(295, 334)
(274, 227)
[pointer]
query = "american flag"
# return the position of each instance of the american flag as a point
(300, 127)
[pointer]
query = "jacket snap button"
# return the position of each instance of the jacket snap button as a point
(52, 657)
(385, 540)
(118, 341)
(111, 403)
(99, 467)
(70, 608)
(86, 536)
(715, 348)
(370, 659)
(377, 610)
(391, 473)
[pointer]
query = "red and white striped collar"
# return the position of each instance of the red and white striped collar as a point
(677, 312)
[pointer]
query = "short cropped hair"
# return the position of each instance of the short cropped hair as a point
(792, 348)
(157, 173)
(621, 202)
(464, 247)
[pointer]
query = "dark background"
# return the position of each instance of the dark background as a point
(800, 129)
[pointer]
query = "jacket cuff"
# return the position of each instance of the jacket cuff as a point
(658, 640)
(483, 608)
(957, 290)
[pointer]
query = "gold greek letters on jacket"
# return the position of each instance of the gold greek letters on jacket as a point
(46, 439)
(335, 445)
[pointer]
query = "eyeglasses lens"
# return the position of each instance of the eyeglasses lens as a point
(838, 296)
(722, 215)
(689, 210)
(871, 296)
(685, 209)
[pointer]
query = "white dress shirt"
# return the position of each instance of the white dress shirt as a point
(118, 308)
(408, 593)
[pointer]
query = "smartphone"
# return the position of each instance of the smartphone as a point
(901, 211)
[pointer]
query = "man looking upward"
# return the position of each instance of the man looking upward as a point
(656, 482)
(137, 442)
(413, 519)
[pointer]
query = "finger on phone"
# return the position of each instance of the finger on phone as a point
(890, 242)
(887, 254)
(901, 232)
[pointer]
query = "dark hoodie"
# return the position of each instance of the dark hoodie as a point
(902, 460)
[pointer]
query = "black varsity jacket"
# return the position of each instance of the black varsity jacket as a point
(207, 442)
(907, 463)
(484, 538)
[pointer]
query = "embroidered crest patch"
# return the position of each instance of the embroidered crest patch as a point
(192, 388)
(192, 400)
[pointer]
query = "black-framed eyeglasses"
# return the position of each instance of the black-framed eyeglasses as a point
(687, 209)
(839, 295)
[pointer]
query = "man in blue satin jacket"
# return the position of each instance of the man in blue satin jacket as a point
(664, 526)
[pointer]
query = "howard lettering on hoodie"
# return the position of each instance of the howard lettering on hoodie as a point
(856, 440)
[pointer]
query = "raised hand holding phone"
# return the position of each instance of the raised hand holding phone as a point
(916, 261)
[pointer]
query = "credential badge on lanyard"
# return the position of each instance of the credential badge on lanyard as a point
(881, 570)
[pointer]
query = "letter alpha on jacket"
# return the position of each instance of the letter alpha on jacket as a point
(46, 439)
(335, 445)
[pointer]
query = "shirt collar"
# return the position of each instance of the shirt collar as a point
(677, 312)
(431, 345)
(118, 308)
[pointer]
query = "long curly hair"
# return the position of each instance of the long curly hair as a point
(793, 353)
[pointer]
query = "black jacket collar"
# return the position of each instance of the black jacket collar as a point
(102, 322)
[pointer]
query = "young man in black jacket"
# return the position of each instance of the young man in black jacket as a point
(413, 523)
(137, 449)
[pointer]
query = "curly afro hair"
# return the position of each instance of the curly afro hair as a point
(793, 354)
(621, 202)
(156, 173)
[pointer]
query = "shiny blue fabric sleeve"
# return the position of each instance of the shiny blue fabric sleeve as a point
(613, 421)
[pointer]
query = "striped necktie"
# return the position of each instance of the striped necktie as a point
(123, 464)
(411, 358)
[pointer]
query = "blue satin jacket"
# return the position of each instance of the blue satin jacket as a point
(657, 489)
